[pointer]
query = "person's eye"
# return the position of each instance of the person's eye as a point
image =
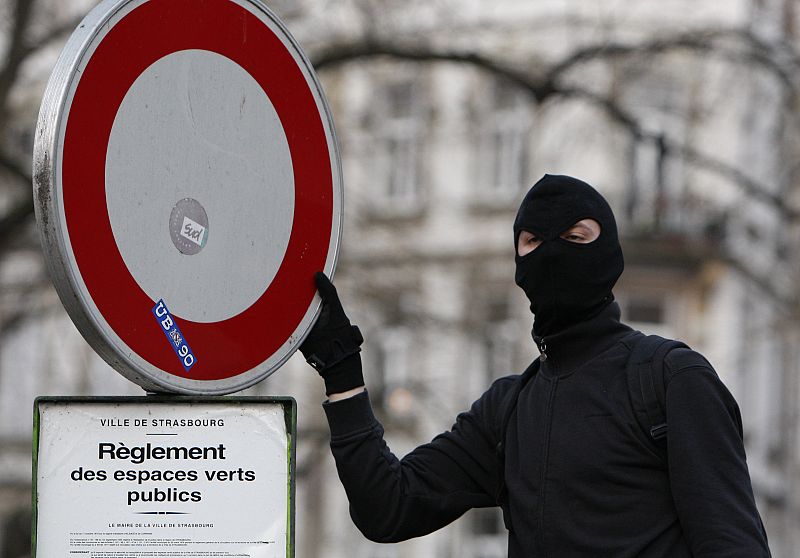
(574, 236)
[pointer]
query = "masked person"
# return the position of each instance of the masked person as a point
(559, 447)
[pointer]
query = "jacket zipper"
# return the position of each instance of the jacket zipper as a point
(542, 344)
(545, 466)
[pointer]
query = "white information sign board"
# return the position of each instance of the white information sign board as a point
(150, 476)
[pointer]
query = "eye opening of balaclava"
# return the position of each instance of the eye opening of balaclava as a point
(566, 282)
(559, 236)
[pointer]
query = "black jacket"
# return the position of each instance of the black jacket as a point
(583, 479)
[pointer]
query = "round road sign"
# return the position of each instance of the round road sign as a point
(188, 185)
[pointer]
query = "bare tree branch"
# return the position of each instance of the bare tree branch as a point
(15, 218)
(748, 185)
(15, 55)
(12, 166)
(340, 54)
(791, 305)
(54, 33)
(546, 86)
(611, 107)
(20, 213)
(697, 41)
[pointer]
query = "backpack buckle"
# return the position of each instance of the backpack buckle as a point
(659, 431)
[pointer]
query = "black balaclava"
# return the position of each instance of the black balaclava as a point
(566, 282)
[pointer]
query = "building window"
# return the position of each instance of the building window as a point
(400, 126)
(508, 150)
(762, 384)
(403, 188)
(392, 386)
(500, 336)
(646, 310)
(656, 184)
(500, 339)
(648, 313)
(503, 146)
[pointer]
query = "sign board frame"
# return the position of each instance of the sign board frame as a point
(288, 406)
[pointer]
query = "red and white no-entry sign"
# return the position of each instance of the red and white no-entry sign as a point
(188, 186)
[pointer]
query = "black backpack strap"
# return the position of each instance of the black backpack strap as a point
(647, 381)
(507, 409)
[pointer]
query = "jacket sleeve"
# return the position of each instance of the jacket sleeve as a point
(395, 499)
(707, 465)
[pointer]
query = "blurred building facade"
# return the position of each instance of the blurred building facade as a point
(438, 152)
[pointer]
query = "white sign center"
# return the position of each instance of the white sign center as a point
(196, 125)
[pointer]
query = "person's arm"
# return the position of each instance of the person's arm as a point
(395, 499)
(390, 499)
(707, 465)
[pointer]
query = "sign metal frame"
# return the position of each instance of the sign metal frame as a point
(70, 284)
(288, 404)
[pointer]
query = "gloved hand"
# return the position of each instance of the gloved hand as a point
(333, 345)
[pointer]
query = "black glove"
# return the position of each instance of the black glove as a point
(333, 345)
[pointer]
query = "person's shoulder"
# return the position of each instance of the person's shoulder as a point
(490, 408)
(683, 359)
(505, 383)
(498, 395)
(692, 383)
(678, 359)
(498, 391)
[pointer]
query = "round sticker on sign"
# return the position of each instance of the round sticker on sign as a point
(187, 186)
(188, 226)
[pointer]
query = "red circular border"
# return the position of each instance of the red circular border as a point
(153, 30)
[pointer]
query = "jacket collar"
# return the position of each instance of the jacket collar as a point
(564, 351)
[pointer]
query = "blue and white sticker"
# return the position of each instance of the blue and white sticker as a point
(174, 335)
